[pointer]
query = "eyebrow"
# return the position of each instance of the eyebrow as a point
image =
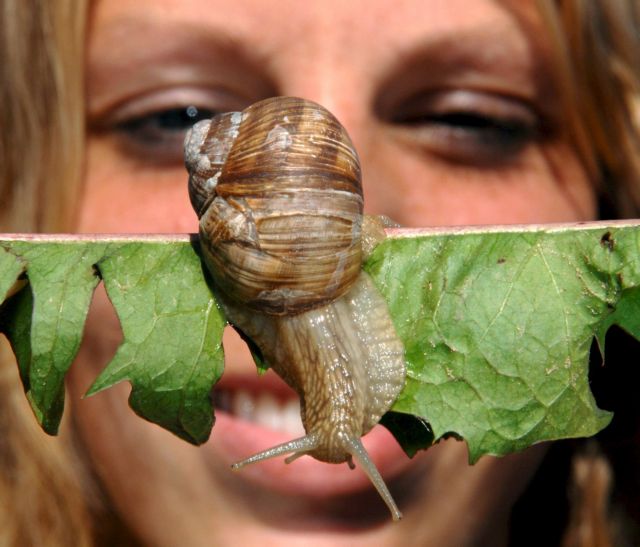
(475, 48)
(182, 42)
(132, 44)
(521, 66)
(163, 35)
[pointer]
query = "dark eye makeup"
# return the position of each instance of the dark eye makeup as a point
(149, 127)
(469, 135)
(466, 126)
(158, 136)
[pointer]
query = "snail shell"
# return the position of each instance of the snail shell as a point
(278, 193)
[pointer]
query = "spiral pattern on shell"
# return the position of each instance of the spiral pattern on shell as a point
(278, 192)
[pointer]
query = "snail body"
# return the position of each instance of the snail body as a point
(278, 193)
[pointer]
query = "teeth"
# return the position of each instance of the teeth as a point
(242, 405)
(291, 418)
(267, 411)
(264, 409)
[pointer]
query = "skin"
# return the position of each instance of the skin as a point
(398, 88)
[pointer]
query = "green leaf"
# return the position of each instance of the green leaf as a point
(172, 349)
(15, 313)
(256, 354)
(10, 268)
(53, 311)
(15, 323)
(497, 327)
(172, 327)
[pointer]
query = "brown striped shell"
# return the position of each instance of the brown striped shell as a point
(278, 193)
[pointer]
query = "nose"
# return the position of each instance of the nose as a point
(335, 88)
(346, 96)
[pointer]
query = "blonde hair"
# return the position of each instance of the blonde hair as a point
(42, 494)
(597, 54)
(42, 46)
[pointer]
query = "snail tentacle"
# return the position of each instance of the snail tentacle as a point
(300, 446)
(355, 447)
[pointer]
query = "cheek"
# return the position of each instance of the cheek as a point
(123, 196)
(544, 185)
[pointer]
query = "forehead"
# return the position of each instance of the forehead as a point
(337, 29)
(335, 51)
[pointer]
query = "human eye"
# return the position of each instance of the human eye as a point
(151, 129)
(160, 134)
(468, 126)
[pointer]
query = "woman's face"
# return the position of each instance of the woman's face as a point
(454, 113)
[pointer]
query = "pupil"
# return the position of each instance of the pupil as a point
(182, 118)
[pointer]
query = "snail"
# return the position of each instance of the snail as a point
(277, 191)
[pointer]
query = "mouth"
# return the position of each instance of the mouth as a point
(255, 413)
(276, 409)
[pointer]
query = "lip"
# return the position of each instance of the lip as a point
(235, 439)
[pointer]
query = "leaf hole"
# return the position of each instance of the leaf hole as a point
(607, 241)
(451, 435)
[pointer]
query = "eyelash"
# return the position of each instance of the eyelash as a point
(158, 136)
(472, 134)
